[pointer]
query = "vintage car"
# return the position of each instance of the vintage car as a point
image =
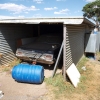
(44, 49)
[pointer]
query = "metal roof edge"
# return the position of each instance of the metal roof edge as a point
(88, 22)
(74, 20)
(64, 20)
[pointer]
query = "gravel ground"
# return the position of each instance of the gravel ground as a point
(14, 90)
(19, 91)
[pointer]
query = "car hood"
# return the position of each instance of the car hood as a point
(41, 46)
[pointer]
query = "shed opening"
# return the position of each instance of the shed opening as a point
(14, 35)
(46, 45)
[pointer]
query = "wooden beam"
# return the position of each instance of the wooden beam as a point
(64, 51)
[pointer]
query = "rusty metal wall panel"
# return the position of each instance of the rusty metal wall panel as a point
(9, 34)
(74, 44)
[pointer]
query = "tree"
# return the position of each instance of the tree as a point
(92, 11)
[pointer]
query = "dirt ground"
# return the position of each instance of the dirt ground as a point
(22, 91)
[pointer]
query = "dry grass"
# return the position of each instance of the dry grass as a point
(9, 66)
(88, 88)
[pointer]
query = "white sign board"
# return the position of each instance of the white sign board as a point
(73, 74)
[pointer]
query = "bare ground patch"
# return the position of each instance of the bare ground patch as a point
(14, 90)
(20, 91)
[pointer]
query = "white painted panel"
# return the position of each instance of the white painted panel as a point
(73, 74)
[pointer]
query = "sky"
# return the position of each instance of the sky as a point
(41, 8)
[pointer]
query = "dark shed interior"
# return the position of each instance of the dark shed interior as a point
(12, 32)
(51, 29)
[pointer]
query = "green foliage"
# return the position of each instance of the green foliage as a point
(57, 81)
(59, 86)
(92, 10)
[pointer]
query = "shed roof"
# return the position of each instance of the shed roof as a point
(69, 20)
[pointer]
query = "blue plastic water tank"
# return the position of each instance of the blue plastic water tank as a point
(28, 73)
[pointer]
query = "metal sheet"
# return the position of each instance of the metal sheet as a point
(98, 42)
(69, 20)
(91, 44)
(76, 39)
(74, 44)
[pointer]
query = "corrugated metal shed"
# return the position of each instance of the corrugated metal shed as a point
(73, 35)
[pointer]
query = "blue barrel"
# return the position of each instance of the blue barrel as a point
(28, 73)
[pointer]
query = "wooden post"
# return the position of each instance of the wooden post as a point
(64, 51)
(1, 55)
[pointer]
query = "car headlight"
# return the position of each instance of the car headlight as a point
(19, 53)
(47, 57)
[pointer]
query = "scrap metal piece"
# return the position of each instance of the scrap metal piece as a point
(91, 44)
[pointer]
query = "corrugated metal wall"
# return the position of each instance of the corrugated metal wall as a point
(98, 41)
(74, 44)
(91, 45)
(9, 34)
